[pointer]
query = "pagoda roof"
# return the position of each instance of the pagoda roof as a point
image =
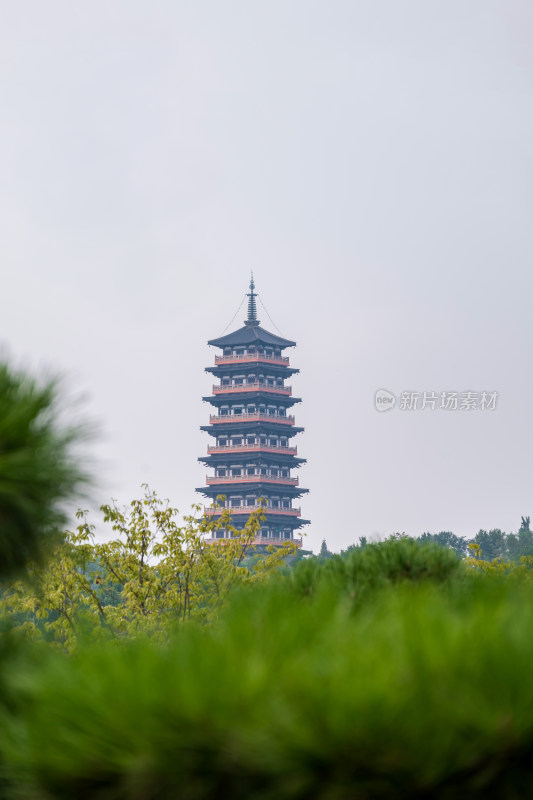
(266, 424)
(250, 334)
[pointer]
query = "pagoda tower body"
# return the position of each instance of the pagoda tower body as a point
(252, 456)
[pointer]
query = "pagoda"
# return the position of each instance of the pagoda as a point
(252, 457)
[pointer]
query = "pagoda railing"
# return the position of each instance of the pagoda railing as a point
(215, 418)
(253, 357)
(252, 387)
(259, 540)
(292, 512)
(250, 479)
(239, 448)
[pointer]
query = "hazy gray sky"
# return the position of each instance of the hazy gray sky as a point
(371, 161)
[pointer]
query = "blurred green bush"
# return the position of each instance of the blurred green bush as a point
(38, 471)
(397, 672)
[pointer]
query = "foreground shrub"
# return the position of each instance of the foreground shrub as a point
(360, 572)
(38, 471)
(422, 692)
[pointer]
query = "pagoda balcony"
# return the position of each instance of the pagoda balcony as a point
(234, 479)
(252, 387)
(252, 358)
(291, 512)
(257, 417)
(259, 540)
(251, 448)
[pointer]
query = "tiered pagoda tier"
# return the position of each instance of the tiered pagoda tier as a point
(252, 457)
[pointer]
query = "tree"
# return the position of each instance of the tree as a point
(153, 575)
(520, 544)
(38, 471)
(447, 539)
(492, 543)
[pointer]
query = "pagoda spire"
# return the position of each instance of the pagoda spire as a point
(252, 307)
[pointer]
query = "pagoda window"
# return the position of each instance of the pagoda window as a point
(274, 471)
(227, 351)
(263, 471)
(262, 409)
(224, 411)
(236, 472)
(226, 381)
(238, 381)
(251, 350)
(264, 533)
(274, 503)
(250, 470)
(221, 472)
(251, 378)
(239, 351)
(238, 410)
(272, 411)
(268, 351)
(236, 441)
(277, 352)
(251, 410)
(279, 381)
(262, 440)
(287, 533)
(250, 440)
(286, 503)
(284, 473)
(222, 441)
(283, 442)
(273, 441)
(235, 502)
(281, 411)
(220, 534)
(250, 501)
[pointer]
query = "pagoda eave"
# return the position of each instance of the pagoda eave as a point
(252, 455)
(251, 334)
(215, 490)
(239, 517)
(256, 395)
(216, 430)
(235, 369)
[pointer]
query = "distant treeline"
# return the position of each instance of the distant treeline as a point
(494, 543)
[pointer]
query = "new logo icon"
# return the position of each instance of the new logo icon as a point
(384, 400)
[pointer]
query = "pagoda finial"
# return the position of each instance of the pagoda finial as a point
(252, 308)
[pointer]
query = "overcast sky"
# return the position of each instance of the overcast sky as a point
(370, 160)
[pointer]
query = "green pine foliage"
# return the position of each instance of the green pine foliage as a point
(397, 672)
(363, 570)
(38, 472)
